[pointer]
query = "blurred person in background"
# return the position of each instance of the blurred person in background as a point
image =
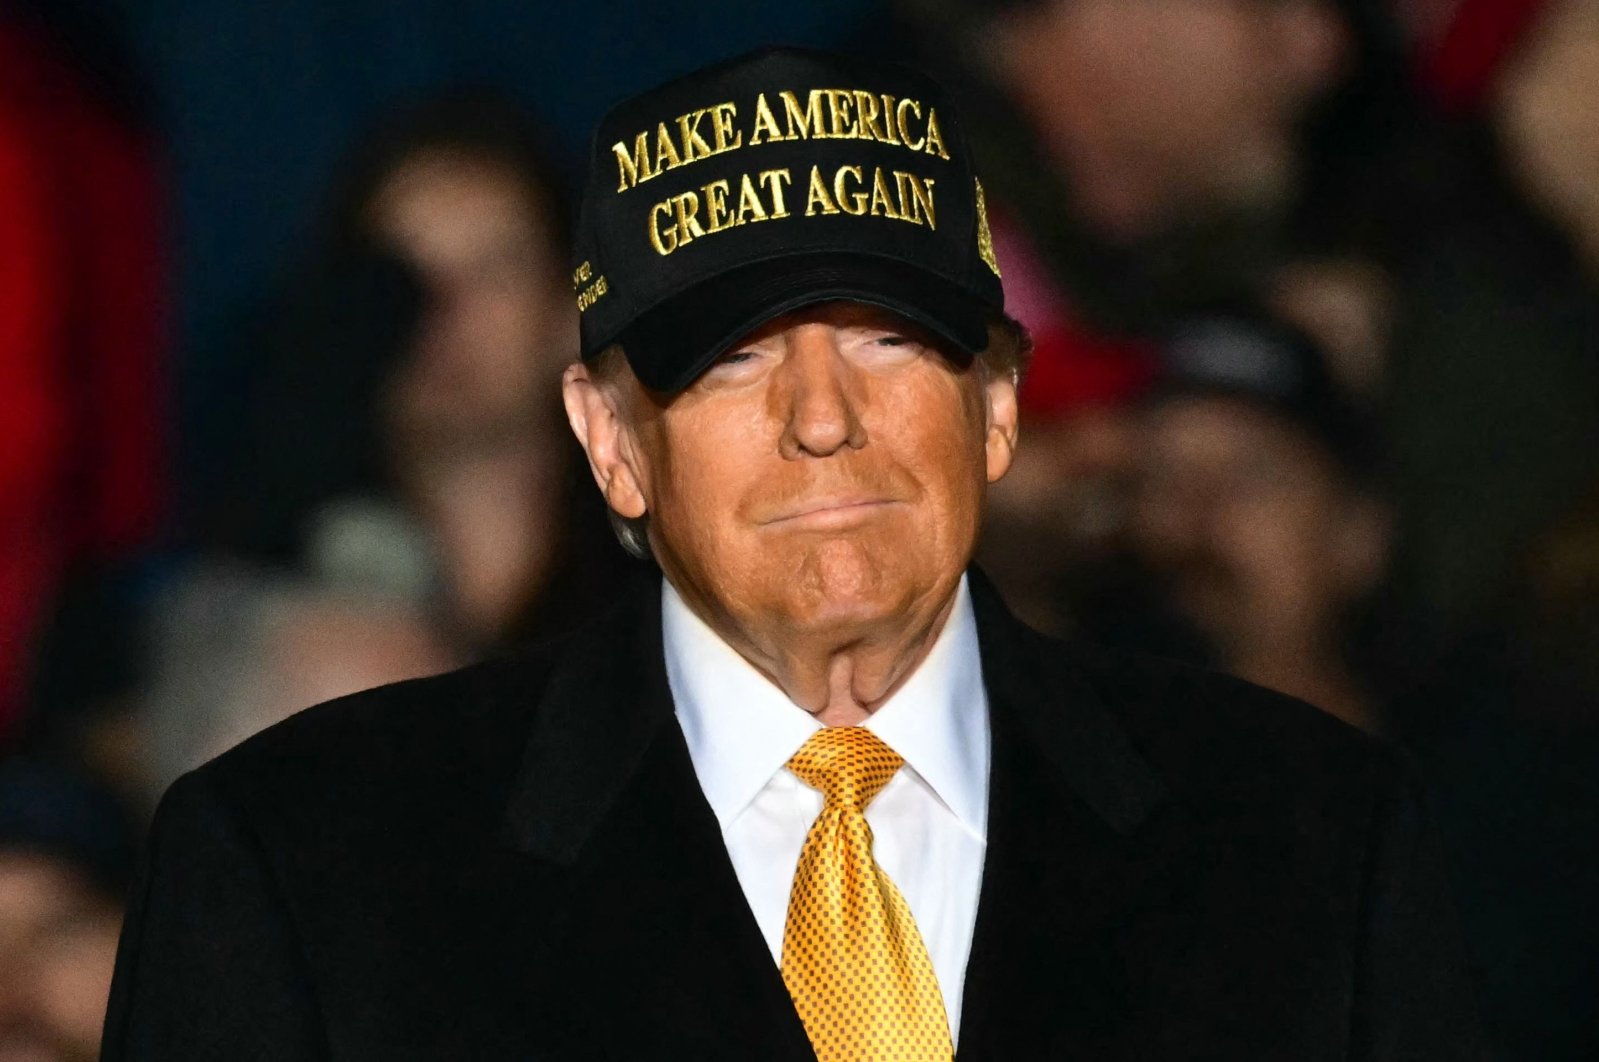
(1498, 393)
(1061, 509)
(1493, 389)
(1152, 159)
(409, 498)
(1543, 106)
(1231, 517)
(1162, 115)
(420, 362)
(1162, 157)
(1167, 156)
(236, 648)
(477, 443)
(66, 856)
(1255, 507)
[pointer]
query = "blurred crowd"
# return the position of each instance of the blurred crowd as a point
(1314, 287)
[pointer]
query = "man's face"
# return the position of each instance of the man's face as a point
(827, 474)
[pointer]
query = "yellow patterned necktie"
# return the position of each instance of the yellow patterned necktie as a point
(852, 958)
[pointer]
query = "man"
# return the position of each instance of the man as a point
(817, 796)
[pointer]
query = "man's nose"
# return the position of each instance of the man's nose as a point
(818, 397)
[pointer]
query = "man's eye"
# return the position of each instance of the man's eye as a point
(887, 348)
(734, 365)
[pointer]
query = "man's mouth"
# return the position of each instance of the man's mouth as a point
(830, 513)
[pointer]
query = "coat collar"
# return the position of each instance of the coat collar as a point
(608, 698)
(602, 707)
(642, 926)
(1037, 681)
(1073, 856)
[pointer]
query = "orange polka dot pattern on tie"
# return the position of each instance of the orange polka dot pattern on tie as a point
(853, 960)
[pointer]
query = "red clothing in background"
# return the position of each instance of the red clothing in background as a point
(1074, 367)
(81, 340)
(1458, 69)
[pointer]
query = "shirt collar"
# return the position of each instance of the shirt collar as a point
(741, 729)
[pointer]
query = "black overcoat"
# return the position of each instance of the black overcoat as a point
(515, 861)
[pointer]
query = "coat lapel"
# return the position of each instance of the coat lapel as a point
(1053, 972)
(651, 940)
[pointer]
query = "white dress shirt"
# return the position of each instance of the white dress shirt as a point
(929, 824)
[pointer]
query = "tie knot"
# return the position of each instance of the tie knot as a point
(849, 764)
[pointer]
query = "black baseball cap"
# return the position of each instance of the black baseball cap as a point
(770, 182)
(1247, 353)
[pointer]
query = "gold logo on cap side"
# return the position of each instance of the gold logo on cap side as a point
(985, 239)
(589, 288)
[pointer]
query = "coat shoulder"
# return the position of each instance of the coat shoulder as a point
(447, 733)
(1212, 736)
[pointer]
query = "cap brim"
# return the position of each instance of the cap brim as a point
(669, 345)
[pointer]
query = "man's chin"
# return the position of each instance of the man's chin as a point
(844, 619)
(849, 588)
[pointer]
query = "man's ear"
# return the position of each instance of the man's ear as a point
(595, 413)
(1000, 442)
